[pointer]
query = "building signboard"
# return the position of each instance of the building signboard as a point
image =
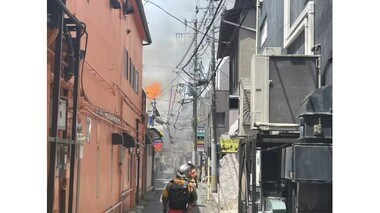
(229, 145)
(200, 146)
(158, 143)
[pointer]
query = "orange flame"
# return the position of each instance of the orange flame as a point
(154, 90)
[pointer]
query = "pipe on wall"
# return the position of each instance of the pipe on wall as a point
(54, 115)
(138, 162)
(304, 22)
(75, 116)
(56, 96)
(257, 26)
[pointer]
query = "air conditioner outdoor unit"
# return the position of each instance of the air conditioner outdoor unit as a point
(279, 84)
(244, 110)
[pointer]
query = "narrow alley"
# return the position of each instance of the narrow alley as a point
(234, 94)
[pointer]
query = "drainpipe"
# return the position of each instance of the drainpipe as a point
(78, 183)
(309, 29)
(75, 116)
(257, 26)
(253, 173)
(61, 161)
(57, 74)
(153, 174)
(286, 20)
(304, 22)
(54, 115)
(138, 161)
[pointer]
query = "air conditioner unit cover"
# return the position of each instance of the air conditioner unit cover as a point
(291, 80)
(307, 163)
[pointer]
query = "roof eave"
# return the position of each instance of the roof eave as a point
(144, 21)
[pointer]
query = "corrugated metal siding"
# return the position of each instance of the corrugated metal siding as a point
(274, 12)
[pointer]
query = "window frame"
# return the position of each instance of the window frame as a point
(130, 70)
(126, 58)
(136, 83)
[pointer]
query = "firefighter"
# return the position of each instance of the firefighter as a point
(193, 173)
(180, 195)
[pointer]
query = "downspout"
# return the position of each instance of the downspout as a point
(257, 26)
(305, 21)
(54, 115)
(241, 163)
(286, 20)
(153, 166)
(309, 30)
(253, 174)
(138, 161)
(79, 167)
(57, 74)
(62, 170)
(75, 117)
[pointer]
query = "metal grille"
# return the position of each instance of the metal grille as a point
(291, 80)
(246, 107)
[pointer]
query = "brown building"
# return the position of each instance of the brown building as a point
(97, 153)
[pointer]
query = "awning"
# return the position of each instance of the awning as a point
(226, 31)
(233, 15)
(117, 139)
(234, 129)
(152, 134)
(128, 141)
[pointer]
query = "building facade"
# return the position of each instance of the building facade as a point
(96, 107)
(280, 62)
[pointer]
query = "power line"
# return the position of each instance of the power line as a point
(173, 16)
(204, 36)
(233, 37)
(192, 42)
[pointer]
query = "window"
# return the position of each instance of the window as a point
(134, 77)
(234, 103)
(130, 70)
(234, 71)
(220, 119)
(126, 64)
(263, 31)
(136, 83)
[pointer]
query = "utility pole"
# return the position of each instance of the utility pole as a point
(214, 140)
(195, 121)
